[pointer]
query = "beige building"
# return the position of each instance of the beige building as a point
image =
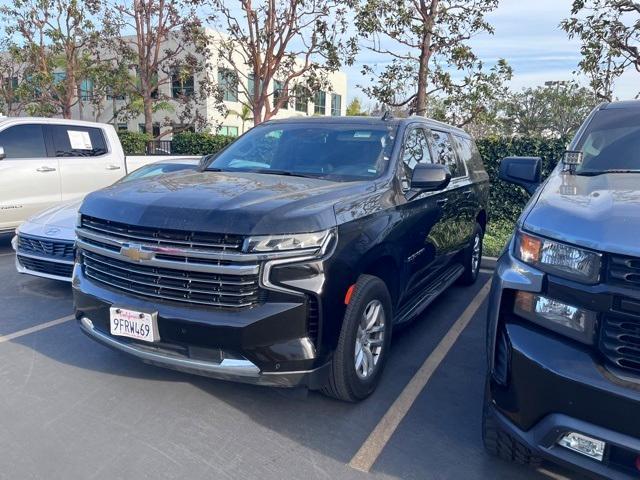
(329, 102)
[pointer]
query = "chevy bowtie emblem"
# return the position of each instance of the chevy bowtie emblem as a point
(135, 252)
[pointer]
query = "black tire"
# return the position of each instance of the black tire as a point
(499, 443)
(471, 269)
(344, 383)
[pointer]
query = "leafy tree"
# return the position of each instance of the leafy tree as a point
(609, 32)
(354, 108)
(548, 111)
(276, 49)
(245, 114)
(165, 35)
(427, 41)
(52, 39)
(11, 72)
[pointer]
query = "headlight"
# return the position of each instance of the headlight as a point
(574, 322)
(558, 258)
(283, 243)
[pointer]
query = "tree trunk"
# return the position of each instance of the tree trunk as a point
(148, 115)
(423, 73)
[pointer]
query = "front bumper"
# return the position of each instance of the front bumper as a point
(542, 385)
(264, 345)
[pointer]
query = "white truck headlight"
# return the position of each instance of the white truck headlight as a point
(292, 242)
(558, 258)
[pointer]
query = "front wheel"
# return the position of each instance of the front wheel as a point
(473, 257)
(364, 342)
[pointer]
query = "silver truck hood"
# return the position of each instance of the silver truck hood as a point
(598, 212)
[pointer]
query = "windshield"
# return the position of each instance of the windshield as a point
(341, 152)
(611, 142)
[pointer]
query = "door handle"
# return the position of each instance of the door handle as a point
(113, 167)
(45, 169)
(442, 202)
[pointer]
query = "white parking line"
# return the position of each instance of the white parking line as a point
(37, 328)
(7, 254)
(370, 450)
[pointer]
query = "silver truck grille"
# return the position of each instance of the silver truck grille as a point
(188, 267)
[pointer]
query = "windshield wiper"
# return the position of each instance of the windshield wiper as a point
(593, 173)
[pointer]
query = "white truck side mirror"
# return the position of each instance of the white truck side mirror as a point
(2, 154)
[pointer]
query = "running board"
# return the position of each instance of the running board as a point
(429, 294)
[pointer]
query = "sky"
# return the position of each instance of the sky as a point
(527, 35)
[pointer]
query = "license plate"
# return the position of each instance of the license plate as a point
(132, 324)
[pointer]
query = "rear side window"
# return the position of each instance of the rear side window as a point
(469, 154)
(23, 141)
(446, 155)
(75, 141)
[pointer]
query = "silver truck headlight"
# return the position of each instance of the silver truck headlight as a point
(558, 258)
(292, 242)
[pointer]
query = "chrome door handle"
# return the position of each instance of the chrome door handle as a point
(113, 167)
(442, 201)
(45, 169)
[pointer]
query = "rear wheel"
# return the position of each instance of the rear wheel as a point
(364, 342)
(473, 257)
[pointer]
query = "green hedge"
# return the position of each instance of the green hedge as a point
(133, 143)
(507, 200)
(189, 143)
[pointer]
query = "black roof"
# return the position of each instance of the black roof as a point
(366, 120)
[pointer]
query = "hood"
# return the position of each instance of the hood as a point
(58, 222)
(600, 212)
(223, 202)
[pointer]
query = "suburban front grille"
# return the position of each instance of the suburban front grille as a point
(45, 248)
(43, 266)
(624, 271)
(620, 341)
(196, 268)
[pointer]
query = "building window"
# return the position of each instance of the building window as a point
(123, 127)
(251, 85)
(228, 83)
(336, 105)
(278, 91)
(59, 77)
(182, 84)
(228, 131)
(156, 129)
(86, 89)
(302, 99)
(320, 101)
(154, 81)
(10, 83)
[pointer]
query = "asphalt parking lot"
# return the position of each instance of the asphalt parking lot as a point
(73, 409)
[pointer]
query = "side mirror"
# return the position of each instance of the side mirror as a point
(2, 154)
(430, 177)
(523, 171)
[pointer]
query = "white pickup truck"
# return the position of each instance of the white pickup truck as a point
(47, 161)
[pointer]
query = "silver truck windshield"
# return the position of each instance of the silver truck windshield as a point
(611, 142)
(340, 152)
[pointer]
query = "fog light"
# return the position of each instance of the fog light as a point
(556, 315)
(587, 446)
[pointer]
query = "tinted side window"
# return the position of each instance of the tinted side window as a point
(414, 151)
(446, 154)
(74, 141)
(469, 154)
(23, 141)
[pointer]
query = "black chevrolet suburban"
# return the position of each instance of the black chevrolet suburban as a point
(563, 382)
(288, 259)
